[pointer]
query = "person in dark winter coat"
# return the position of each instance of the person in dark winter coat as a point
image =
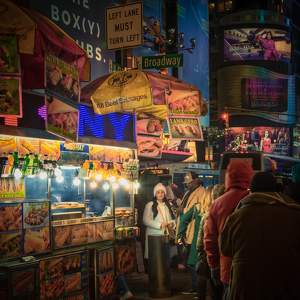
(237, 180)
(263, 238)
(293, 190)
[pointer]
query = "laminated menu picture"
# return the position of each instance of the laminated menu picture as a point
(108, 230)
(61, 236)
(55, 288)
(54, 268)
(72, 264)
(9, 59)
(28, 146)
(36, 240)
(10, 244)
(149, 124)
(112, 154)
(106, 260)
(7, 144)
(78, 234)
(50, 147)
(10, 216)
(36, 214)
(106, 271)
(93, 235)
(126, 154)
(125, 258)
(149, 146)
(97, 153)
(11, 188)
(107, 284)
(72, 283)
(23, 281)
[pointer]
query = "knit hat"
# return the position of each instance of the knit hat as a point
(296, 173)
(159, 186)
(263, 182)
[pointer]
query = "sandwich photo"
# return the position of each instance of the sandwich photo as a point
(10, 245)
(149, 124)
(79, 234)
(7, 102)
(61, 236)
(7, 145)
(27, 146)
(50, 148)
(73, 283)
(179, 130)
(22, 281)
(54, 268)
(62, 116)
(184, 101)
(192, 130)
(11, 217)
(36, 241)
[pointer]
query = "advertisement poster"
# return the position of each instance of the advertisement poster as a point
(72, 153)
(126, 154)
(62, 119)
(62, 81)
(149, 124)
(149, 146)
(95, 232)
(184, 103)
(28, 146)
(7, 144)
(253, 44)
(112, 154)
(185, 128)
(49, 147)
(97, 153)
(106, 272)
(265, 94)
(10, 97)
(36, 240)
(9, 60)
(79, 234)
(63, 275)
(12, 189)
(36, 214)
(23, 282)
(11, 243)
(274, 140)
(108, 230)
(61, 236)
(125, 258)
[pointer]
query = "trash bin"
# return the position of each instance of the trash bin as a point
(159, 266)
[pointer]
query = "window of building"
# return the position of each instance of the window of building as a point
(225, 6)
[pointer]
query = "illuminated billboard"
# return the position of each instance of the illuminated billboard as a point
(257, 44)
(274, 140)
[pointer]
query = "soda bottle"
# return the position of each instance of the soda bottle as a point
(26, 163)
(3, 162)
(30, 164)
(21, 161)
(41, 161)
(45, 165)
(15, 162)
(9, 164)
(36, 164)
(50, 165)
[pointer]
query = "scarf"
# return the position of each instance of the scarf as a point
(187, 195)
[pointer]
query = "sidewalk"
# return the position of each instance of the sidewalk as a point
(138, 284)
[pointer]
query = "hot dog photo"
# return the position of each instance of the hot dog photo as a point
(7, 145)
(23, 281)
(62, 236)
(72, 264)
(28, 146)
(50, 147)
(92, 232)
(79, 234)
(106, 261)
(36, 240)
(72, 283)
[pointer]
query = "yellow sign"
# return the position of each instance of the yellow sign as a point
(121, 91)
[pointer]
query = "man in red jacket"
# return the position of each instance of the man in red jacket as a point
(237, 180)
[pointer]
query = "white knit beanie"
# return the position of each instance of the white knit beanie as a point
(159, 186)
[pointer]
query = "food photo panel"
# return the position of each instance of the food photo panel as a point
(61, 236)
(36, 240)
(23, 282)
(149, 146)
(149, 124)
(36, 214)
(185, 128)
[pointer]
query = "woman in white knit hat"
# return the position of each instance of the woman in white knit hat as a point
(158, 214)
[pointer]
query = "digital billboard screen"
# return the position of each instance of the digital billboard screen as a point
(274, 140)
(257, 44)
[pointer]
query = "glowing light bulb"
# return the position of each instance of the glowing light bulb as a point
(115, 185)
(43, 175)
(122, 181)
(57, 172)
(136, 185)
(106, 186)
(93, 184)
(59, 179)
(18, 173)
(127, 185)
(112, 179)
(98, 176)
(76, 181)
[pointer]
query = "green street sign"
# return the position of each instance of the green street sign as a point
(114, 67)
(159, 61)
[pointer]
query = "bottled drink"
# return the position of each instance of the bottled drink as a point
(9, 164)
(45, 164)
(41, 161)
(36, 164)
(3, 162)
(15, 162)
(30, 164)
(50, 165)
(21, 161)
(25, 165)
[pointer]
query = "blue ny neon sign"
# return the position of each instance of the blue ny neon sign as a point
(101, 126)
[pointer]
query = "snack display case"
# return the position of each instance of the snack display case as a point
(19, 280)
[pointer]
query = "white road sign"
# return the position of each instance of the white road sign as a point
(124, 26)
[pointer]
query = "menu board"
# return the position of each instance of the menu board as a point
(11, 188)
(24, 228)
(23, 283)
(73, 235)
(105, 272)
(125, 258)
(63, 275)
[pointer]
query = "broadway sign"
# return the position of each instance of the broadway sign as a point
(158, 61)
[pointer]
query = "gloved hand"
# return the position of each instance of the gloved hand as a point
(215, 275)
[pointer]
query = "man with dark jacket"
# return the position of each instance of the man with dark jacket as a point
(237, 180)
(262, 237)
(293, 190)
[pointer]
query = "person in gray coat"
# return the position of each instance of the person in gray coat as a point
(262, 237)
